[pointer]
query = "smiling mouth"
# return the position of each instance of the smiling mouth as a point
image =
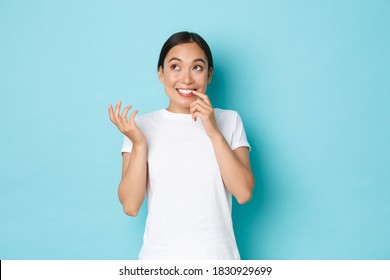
(185, 92)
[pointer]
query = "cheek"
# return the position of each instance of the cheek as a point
(171, 78)
(202, 79)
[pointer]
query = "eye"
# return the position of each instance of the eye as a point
(198, 68)
(175, 67)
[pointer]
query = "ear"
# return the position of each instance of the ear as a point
(210, 75)
(161, 74)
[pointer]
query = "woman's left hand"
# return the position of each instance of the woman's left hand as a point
(202, 108)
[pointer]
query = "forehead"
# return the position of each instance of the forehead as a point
(186, 52)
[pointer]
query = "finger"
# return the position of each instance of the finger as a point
(111, 112)
(203, 104)
(202, 96)
(198, 111)
(125, 111)
(203, 108)
(132, 117)
(194, 117)
(117, 109)
(112, 115)
(197, 115)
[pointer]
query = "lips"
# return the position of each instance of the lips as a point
(185, 92)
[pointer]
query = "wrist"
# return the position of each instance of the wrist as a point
(216, 137)
(140, 145)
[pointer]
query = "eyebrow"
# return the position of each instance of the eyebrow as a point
(195, 60)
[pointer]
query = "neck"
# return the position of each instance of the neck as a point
(178, 110)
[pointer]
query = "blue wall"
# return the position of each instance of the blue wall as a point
(311, 80)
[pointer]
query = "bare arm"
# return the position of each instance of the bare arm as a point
(132, 186)
(235, 169)
(234, 165)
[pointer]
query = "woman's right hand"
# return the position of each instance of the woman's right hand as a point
(127, 127)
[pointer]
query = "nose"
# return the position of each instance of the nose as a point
(187, 77)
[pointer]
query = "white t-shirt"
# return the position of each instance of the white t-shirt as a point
(189, 208)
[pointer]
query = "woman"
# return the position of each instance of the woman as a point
(190, 159)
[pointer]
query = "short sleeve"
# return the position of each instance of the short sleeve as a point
(127, 145)
(239, 136)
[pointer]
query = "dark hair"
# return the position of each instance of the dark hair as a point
(182, 38)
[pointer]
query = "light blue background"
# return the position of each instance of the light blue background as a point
(311, 80)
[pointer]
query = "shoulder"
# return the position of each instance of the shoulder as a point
(227, 120)
(222, 115)
(148, 117)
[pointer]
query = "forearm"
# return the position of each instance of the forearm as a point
(132, 187)
(237, 177)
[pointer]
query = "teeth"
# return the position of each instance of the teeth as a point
(185, 91)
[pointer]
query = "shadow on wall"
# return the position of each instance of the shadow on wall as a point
(247, 218)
